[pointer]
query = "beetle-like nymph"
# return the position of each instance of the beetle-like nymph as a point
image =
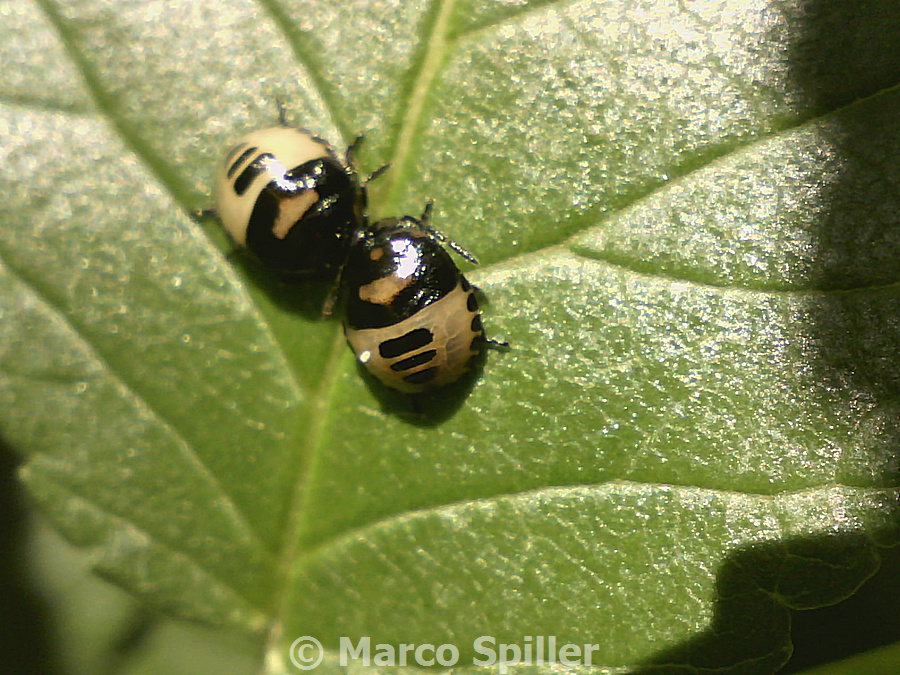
(283, 194)
(411, 318)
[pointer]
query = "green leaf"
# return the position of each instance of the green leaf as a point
(877, 662)
(686, 214)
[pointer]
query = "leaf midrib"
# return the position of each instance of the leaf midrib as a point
(438, 47)
(309, 450)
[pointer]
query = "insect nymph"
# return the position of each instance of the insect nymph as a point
(284, 195)
(411, 318)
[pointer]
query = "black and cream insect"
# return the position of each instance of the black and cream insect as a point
(411, 317)
(283, 194)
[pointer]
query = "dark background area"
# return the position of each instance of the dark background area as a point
(25, 636)
(845, 52)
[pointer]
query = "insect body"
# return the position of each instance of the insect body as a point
(283, 194)
(411, 317)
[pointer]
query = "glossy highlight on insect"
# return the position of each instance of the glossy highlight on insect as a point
(283, 194)
(412, 318)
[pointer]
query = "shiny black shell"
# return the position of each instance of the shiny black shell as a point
(284, 195)
(411, 317)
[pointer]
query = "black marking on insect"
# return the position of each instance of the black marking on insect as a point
(283, 194)
(412, 318)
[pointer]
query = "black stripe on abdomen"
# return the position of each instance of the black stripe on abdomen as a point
(241, 152)
(414, 339)
(421, 377)
(256, 167)
(419, 359)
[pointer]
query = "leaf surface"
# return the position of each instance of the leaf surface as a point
(686, 215)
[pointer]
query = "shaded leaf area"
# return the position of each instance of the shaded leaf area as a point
(485, 564)
(865, 622)
(99, 629)
(20, 597)
(690, 247)
(883, 660)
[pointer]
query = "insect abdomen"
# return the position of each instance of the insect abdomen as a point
(431, 348)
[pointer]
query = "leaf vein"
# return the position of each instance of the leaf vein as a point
(615, 261)
(359, 530)
(569, 237)
(109, 107)
(438, 45)
(45, 103)
(104, 511)
(187, 450)
(296, 505)
(511, 15)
